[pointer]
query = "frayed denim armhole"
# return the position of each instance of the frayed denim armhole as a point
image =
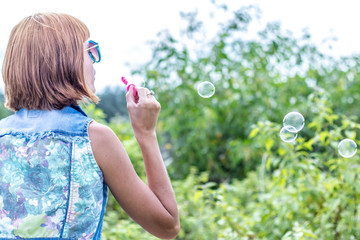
(98, 232)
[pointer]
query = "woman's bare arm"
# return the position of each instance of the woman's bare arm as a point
(153, 206)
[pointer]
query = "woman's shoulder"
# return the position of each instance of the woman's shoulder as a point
(104, 143)
(101, 137)
(98, 131)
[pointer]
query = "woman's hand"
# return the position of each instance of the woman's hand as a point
(144, 110)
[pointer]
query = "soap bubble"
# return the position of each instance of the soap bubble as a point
(347, 148)
(295, 120)
(206, 89)
(288, 134)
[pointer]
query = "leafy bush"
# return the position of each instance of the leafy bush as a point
(311, 184)
(233, 176)
(303, 190)
(258, 79)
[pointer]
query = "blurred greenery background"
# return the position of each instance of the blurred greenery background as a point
(232, 175)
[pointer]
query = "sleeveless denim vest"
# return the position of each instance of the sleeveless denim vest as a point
(50, 184)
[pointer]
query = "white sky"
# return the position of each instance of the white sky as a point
(123, 27)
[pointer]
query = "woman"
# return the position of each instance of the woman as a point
(56, 163)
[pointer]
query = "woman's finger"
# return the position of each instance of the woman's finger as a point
(130, 95)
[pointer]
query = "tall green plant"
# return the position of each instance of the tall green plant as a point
(311, 184)
(257, 79)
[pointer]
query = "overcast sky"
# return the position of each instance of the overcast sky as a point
(123, 27)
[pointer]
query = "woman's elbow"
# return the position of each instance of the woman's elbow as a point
(171, 232)
(175, 230)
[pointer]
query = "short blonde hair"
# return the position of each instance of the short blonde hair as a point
(44, 63)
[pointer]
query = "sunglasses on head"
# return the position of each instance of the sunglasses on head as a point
(94, 51)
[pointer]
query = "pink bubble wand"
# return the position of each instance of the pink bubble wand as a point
(128, 86)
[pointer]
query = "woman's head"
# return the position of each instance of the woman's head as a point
(44, 63)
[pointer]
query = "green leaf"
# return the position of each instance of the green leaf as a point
(269, 143)
(331, 118)
(309, 234)
(350, 134)
(309, 144)
(323, 136)
(254, 132)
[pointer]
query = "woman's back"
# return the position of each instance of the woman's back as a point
(50, 183)
(51, 186)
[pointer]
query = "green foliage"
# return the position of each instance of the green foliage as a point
(258, 79)
(4, 112)
(117, 227)
(303, 190)
(233, 176)
(309, 183)
(113, 102)
(95, 113)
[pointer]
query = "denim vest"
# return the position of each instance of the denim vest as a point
(50, 184)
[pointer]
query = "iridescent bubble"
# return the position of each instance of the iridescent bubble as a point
(288, 134)
(294, 119)
(347, 148)
(206, 89)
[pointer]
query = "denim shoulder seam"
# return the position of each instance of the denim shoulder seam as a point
(68, 137)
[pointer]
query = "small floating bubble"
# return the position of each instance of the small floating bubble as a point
(347, 148)
(295, 120)
(206, 89)
(288, 134)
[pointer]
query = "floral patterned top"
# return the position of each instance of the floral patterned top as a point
(50, 184)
